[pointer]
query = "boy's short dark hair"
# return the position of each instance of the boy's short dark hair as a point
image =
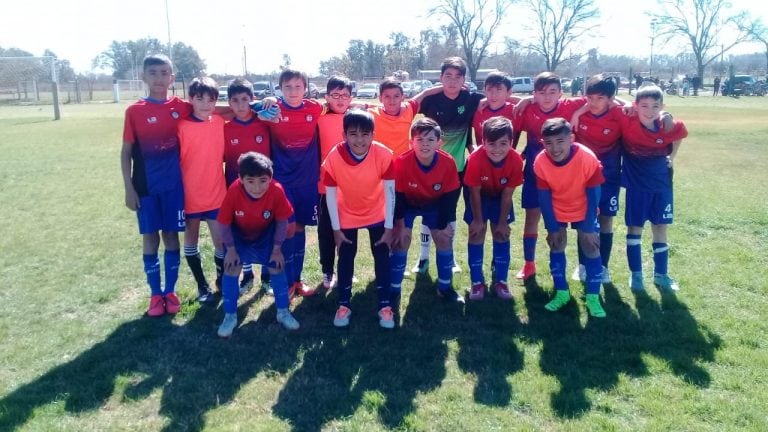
(456, 63)
(425, 125)
(358, 119)
(497, 127)
(498, 78)
(254, 164)
(544, 79)
(649, 90)
(289, 74)
(239, 85)
(601, 85)
(390, 83)
(338, 82)
(203, 86)
(555, 126)
(157, 59)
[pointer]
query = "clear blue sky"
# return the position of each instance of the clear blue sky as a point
(308, 31)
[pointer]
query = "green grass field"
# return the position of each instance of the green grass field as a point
(76, 352)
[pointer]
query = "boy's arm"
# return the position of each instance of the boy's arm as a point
(281, 232)
(476, 203)
(506, 205)
(389, 213)
(576, 115)
(673, 153)
(232, 258)
(521, 104)
(593, 201)
(548, 210)
(428, 92)
(333, 214)
(131, 197)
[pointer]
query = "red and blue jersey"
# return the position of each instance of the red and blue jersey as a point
(493, 177)
(422, 185)
(600, 133)
(150, 126)
(486, 113)
(250, 216)
(645, 154)
(532, 119)
(295, 144)
(242, 137)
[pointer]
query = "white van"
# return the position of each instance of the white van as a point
(522, 85)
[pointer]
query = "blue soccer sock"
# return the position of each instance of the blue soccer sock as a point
(594, 274)
(229, 293)
(501, 257)
(529, 247)
(152, 270)
(397, 263)
(287, 249)
(475, 258)
(444, 269)
(634, 252)
(171, 262)
(279, 285)
(660, 258)
(557, 268)
(299, 244)
(606, 246)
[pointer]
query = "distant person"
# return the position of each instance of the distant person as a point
(493, 172)
(696, 83)
(568, 178)
(360, 188)
(253, 223)
(149, 162)
(453, 109)
(716, 86)
(649, 153)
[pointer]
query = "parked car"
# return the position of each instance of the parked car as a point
(565, 84)
(420, 85)
(262, 89)
(312, 91)
(370, 90)
(522, 85)
(408, 89)
(472, 87)
(223, 93)
(742, 85)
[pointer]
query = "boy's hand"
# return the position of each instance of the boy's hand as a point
(501, 231)
(231, 260)
(386, 238)
(339, 238)
(268, 101)
(277, 258)
(520, 106)
(576, 115)
(476, 228)
(667, 121)
(271, 114)
(400, 235)
(556, 239)
(482, 104)
(629, 110)
(131, 198)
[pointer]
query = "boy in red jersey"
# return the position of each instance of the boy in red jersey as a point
(546, 95)
(493, 172)
(500, 102)
(254, 222)
(149, 162)
(296, 155)
(427, 185)
(201, 144)
(568, 178)
(649, 152)
(360, 188)
(244, 133)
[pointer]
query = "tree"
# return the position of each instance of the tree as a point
(560, 23)
(187, 62)
(125, 58)
(476, 26)
(700, 23)
(757, 32)
(63, 68)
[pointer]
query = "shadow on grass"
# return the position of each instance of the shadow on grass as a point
(195, 370)
(594, 356)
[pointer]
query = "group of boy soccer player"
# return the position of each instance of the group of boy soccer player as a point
(274, 167)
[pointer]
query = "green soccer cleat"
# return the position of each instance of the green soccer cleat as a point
(562, 297)
(594, 307)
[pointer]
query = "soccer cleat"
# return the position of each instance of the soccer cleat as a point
(606, 276)
(594, 307)
(329, 281)
(562, 297)
(172, 303)
(421, 267)
(156, 306)
(247, 283)
(579, 274)
(285, 318)
(477, 291)
(303, 289)
(386, 318)
(227, 325)
(502, 291)
(204, 294)
(665, 283)
(342, 316)
(528, 271)
(636, 281)
(450, 296)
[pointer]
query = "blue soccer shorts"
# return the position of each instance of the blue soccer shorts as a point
(642, 206)
(205, 215)
(304, 200)
(429, 216)
(162, 212)
(490, 210)
(255, 251)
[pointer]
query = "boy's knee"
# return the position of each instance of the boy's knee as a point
(233, 270)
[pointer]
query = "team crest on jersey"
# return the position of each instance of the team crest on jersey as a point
(659, 141)
(267, 214)
(259, 139)
(175, 115)
(606, 131)
(152, 120)
(461, 109)
(309, 118)
(437, 186)
(239, 213)
(503, 180)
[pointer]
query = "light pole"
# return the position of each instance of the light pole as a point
(654, 22)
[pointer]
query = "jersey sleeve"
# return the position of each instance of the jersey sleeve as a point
(283, 207)
(226, 211)
(472, 172)
(516, 175)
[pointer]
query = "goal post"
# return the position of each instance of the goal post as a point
(29, 81)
